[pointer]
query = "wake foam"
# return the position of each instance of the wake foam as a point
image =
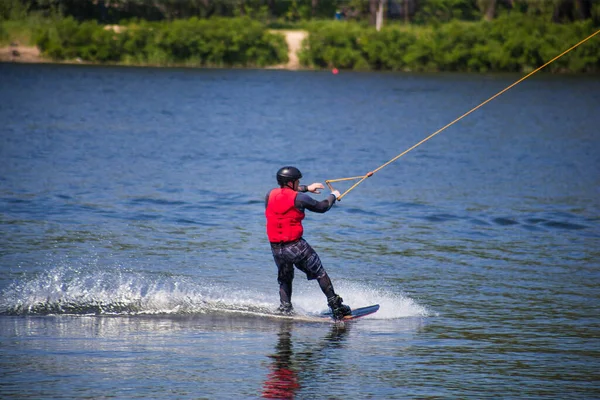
(356, 295)
(115, 291)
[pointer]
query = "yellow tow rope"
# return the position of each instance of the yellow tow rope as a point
(369, 174)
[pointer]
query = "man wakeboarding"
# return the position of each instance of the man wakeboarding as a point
(284, 210)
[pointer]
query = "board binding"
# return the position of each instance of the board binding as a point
(356, 313)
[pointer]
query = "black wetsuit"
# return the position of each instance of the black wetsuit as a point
(299, 253)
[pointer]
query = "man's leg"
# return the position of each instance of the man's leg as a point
(310, 263)
(326, 285)
(285, 292)
(285, 276)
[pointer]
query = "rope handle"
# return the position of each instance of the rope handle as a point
(362, 178)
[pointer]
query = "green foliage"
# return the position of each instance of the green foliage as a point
(294, 11)
(68, 39)
(334, 44)
(596, 13)
(3, 34)
(385, 50)
(433, 11)
(17, 22)
(214, 42)
(137, 41)
(13, 10)
(449, 35)
(517, 43)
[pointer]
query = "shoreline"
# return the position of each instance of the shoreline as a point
(22, 54)
(18, 53)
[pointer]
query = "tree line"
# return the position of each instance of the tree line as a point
(506, 44)
(193, 42)
(291, 11)
(442, 35)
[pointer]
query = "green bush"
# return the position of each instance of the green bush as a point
(67, 39)
(13, 10)
(445, 11)
(386, 50)
(333, 45)
(197, 42)
(3, 34)
(510, 43)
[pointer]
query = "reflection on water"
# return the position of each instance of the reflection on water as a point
(282, 381)
(171, 351)
(292, 370)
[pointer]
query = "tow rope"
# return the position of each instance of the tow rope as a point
(361, 178)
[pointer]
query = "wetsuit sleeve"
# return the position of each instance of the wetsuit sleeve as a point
(303, 188)
(304, 201)
(267, 199)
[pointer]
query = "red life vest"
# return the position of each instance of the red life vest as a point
(284, 221)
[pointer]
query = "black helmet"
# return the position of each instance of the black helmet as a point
(288, 174)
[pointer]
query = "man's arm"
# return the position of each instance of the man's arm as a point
(304, 201)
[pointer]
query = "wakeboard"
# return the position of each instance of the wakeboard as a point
(356, 313)
(323, 317)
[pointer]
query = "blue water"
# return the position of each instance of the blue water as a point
(134, 261)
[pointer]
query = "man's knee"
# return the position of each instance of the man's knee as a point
(285, 279)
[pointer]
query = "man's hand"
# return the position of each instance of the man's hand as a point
(314, 187)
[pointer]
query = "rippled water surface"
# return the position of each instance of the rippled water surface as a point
(134, 261)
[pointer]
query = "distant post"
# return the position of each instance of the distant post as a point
(379, 17)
